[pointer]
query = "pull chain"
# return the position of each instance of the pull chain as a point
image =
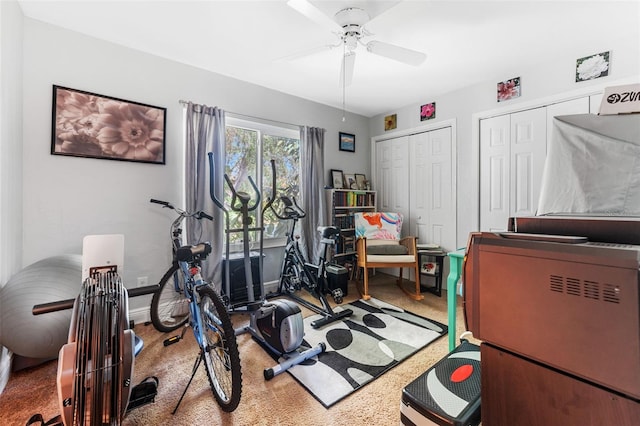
(344, 78)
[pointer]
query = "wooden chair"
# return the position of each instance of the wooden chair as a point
(379, 245)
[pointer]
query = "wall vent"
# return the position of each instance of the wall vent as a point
(587, 289)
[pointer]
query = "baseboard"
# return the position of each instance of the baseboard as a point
(143, 315)
(140, 315)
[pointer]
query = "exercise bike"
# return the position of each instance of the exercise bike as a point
(297, 273)
(276, 325)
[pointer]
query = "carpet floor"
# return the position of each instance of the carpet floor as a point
(280, 401)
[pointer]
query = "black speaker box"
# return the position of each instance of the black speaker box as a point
(237, 276)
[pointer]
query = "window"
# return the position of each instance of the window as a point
(250, 146)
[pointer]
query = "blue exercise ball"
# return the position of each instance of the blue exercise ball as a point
(49, 280)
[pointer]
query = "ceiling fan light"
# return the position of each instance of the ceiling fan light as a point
(351, 42)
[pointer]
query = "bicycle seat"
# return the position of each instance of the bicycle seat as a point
(328, 231)
(190, 253)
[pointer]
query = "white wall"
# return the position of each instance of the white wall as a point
(554, 79)
(10, 153)
(67, 198)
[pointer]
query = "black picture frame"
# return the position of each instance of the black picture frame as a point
(337, 179)
(347, 142)
(89, 125)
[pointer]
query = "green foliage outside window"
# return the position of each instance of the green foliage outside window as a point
(246, 149)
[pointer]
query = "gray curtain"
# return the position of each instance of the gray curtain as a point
(313, 197)
(204, 133)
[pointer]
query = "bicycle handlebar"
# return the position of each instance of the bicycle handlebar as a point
(198, 215)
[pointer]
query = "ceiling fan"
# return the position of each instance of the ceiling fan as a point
(348, 23)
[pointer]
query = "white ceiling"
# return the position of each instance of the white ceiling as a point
(466, 42)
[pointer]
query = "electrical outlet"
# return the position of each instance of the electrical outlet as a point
(143, 281)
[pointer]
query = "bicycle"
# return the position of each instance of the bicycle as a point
(169, 306)
(297, 273)
(206, 314)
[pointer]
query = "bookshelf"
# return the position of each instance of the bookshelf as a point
(343, 203)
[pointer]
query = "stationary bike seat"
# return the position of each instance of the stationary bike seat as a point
(328, 231)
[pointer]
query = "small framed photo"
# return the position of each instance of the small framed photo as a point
(594, 66)
(361, 181)
(347, 142)
(350, 181)
(337, 179)
(428, 111)
(89, 125)
(509, 89)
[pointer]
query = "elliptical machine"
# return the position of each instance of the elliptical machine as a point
(276, 325)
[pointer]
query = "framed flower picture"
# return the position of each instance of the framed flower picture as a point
(428, 111)
(594, 66)
(89, 125)
(390, 122)
(509, 89)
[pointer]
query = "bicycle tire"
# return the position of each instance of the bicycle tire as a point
(170, 307)
(221, 356)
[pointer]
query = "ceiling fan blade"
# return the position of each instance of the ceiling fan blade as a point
(313, 13)
(307, 52)
(346, 71)
(401, 54)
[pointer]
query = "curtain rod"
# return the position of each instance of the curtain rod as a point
(238, 115)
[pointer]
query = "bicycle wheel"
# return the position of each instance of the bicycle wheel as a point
(169, 306)
(221, 356)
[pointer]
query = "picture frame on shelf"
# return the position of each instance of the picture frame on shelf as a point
(337, 179)
(361, 181)
(347, 142)
(350, 181)
(89, 125)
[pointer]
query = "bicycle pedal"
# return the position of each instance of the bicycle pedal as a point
(171, 340)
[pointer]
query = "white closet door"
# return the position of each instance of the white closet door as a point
(439, 187)
(384, 175)
(393, 166)
(494, 173)
(416, 179)
(418, 204)
(528, 152)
